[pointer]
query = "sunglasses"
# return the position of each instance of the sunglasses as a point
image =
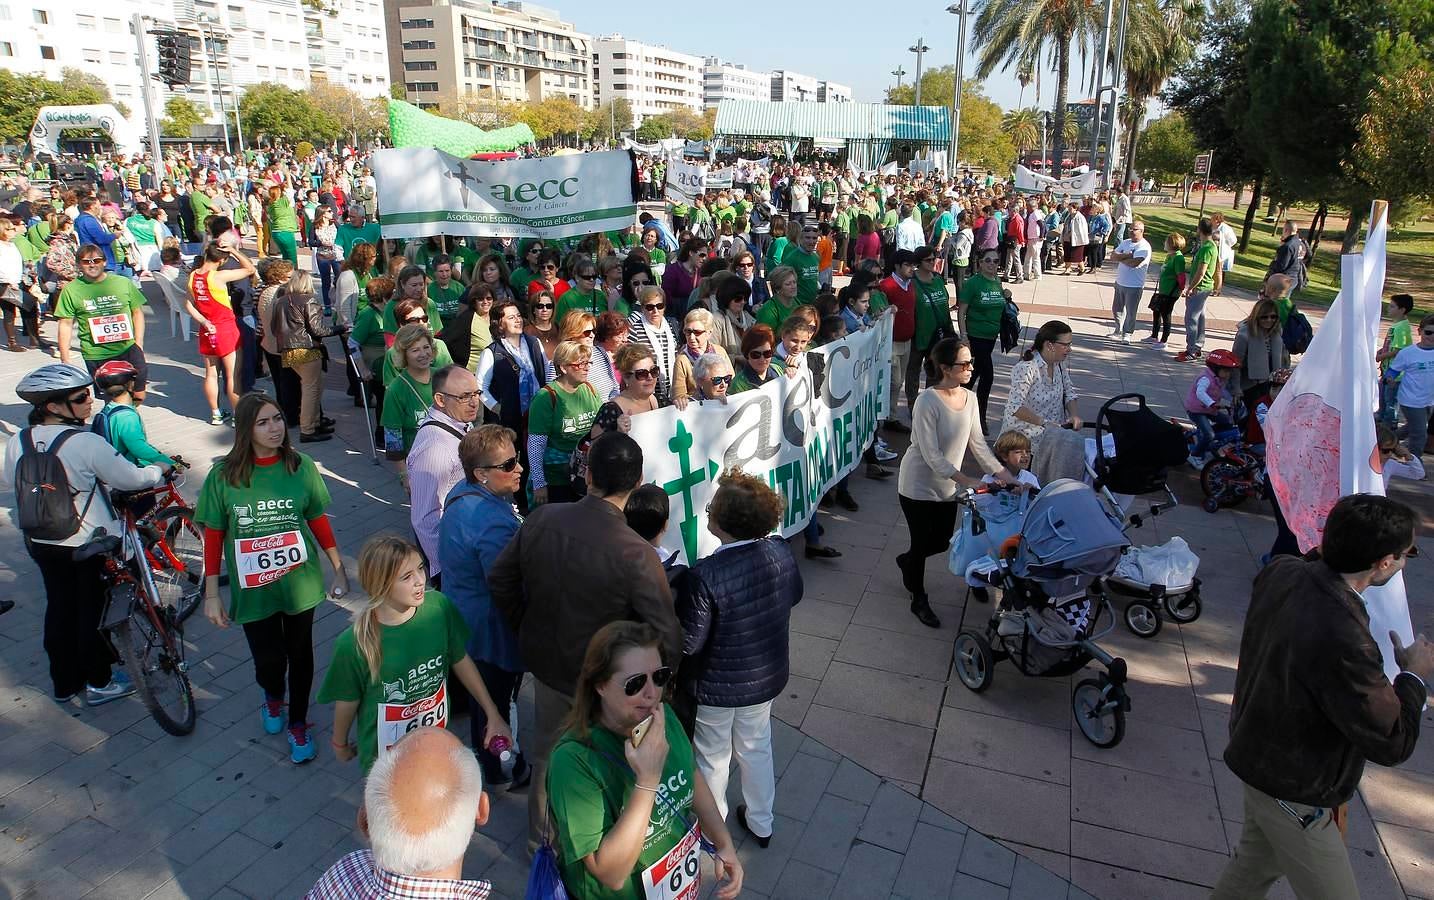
(90, 260)
(420, 319)
(643, 374)
(963, 365)
(78, 398)
(654, 307)
(637, 682)
(694, 332)
(761, 354)
(587, 276)
(1411, 553)
(542, 306)
(720, 380)
(1269, 318)
(550, 268)
(506, 465)
(580, 365)
(587, 332)
(746, 265)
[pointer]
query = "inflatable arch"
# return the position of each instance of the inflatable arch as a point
(52, 120)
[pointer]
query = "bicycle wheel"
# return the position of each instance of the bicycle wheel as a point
(182, 588)
(158, 672)
(1221, 480)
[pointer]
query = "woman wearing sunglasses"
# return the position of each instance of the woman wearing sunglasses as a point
(548, 278)
(1261, 351)
(697, 331)
(543, 322)
(746, 587)
(528, 269)
(479, 520)
(619, 823)
(652, 329)
(636, 275)
(561, 416)
(638, 374)
(759, 360)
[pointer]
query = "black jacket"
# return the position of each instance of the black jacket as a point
(1311, 699)
(735, 622)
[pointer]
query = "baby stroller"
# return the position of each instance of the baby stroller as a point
(1052, 605)
(1132, 454)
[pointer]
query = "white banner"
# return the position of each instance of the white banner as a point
(686, 181)
(1030, 182)
(423, 192)
(763, 163)
(721, 179)
(802, 434)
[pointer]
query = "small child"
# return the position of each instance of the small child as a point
(1209, 400)
(1004, 510)
(119, 422)
(1172, 281)
(826, 249)
(1255, 423)
(1395, 460)
(855, 301)
(832, 328)
(1400, 335)
(390, 668)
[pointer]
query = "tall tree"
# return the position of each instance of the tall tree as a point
(360, 118)
(1023, 127)
(654, 128)
(1395, 153)
(180, 116)
(1020, 32)
(275, 112)
(21, 97)
(610, 119)
(1162, 36)
(1168, 148)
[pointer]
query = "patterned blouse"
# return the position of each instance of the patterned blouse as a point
(1034, 387)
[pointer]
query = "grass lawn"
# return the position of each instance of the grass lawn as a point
(1410, 251)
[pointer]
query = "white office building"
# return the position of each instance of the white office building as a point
(495, 50)
(794, 87)
(652, 78)
(285, 41)
(831, 92)
(729, 81)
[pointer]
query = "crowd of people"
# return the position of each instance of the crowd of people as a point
(505, 376)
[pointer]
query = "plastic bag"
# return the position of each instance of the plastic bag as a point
(1172, 564)
(545, 882)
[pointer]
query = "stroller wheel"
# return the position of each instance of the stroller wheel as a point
(975, 665)
(1212, 505)
(1142, 618)
(1099, 709)
(1183, 608)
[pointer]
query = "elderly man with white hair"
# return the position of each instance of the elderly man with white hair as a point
(421, 805)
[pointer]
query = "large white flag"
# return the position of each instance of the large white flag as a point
(1320, 431)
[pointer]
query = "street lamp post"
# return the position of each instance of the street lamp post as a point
(1045, 121)
(898, 72)
(919, 48)
(1100, 81)
(958, 9)
(1115, 93)
(207, 41)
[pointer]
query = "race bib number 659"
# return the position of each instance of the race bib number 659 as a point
(264, 560)
(111, 329)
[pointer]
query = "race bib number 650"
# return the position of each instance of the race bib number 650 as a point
(264, 560)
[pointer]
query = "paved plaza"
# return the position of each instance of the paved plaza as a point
(895, 780)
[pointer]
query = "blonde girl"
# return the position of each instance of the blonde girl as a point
(390, 668)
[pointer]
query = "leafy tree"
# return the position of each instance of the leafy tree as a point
(276, 113)
(1167, 148)
(689, 124)
(610, 120)
(21, 97)
(397, 91)
(654, 128)
(1395, 152)
(937, 85)
(474, 109)
(360, 118)
(983, 143)
(180, 116)
(1019, 32)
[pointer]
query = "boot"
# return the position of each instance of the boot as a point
(921, 608)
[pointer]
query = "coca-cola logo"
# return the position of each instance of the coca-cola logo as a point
(272, 542)
(421, 706)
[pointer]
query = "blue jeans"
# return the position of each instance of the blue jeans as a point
(1418, 419)
(1388, 403)
(329, 277)
(1207, 425)
(1195, 321)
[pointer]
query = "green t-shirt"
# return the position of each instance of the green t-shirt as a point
(1208, 254)
(1170, 273)
(270, 553)
(467, 262)
(984, 303)
(104, 312)
(368, 327)
(125, 431)
(411, 690)
(348, 236)
(808, 266)
(200, 204)
(441, 357)
(944, 226)
(741, 382)
(444, 302)
(773, 313)
(405, 403)
(1401, 335)
(594, 302)
(520, 279)
(657, 256)
(932, 300)
(775, 253)
(390, 320)
(282, 216)
(565, 417)
(589, 783)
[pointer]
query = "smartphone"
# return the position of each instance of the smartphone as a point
(639, 731)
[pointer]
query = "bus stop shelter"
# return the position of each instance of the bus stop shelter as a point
(868, 134)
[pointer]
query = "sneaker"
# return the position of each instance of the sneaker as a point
(1187, 356)
(1197, 461)
(216, 418)
(119, 686)
(1152, 339)
(1157, 345)
(1125, 337)
(885, 455)
(63, 699)
(301, 747)
(273, 715)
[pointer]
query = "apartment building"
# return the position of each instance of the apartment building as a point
(794, 87)
(505, 50)
(652, 78)
(730, 81)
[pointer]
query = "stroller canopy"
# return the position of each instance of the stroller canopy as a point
(1068, 532)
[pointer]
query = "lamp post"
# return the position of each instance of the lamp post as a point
(1100, 86)
(1045, 122)
(958, 9)
(206, 40)
(898, 72)
(919, 48)
(1115, 93)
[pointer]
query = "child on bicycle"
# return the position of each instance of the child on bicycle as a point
(119, 422)
(390, 668)
(1208, 402)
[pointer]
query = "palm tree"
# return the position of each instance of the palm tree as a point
(1020, 32)
(1024, 76)
(1023, 127)
(1161, 36)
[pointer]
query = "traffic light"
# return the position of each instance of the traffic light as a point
(174, 58)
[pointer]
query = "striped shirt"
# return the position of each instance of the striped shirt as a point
(355, 877)
(433, 470)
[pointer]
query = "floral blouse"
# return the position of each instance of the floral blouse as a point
(1046, 395)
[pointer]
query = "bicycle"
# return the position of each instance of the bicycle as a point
(174, 543)
(142, 626)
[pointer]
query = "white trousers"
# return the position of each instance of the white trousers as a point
(1033, 259)
(748, 731)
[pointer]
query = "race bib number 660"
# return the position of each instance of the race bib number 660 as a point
(676, 876)
(264, 560)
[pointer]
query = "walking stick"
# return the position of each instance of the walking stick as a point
(363, 399)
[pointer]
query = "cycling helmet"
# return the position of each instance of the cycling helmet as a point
(1222, 359)
(115, 373)
(51, 381)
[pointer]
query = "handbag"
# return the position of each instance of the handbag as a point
(944, 328)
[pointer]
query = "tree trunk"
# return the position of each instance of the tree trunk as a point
(1063, 74)
(1270, 210)
(1250, 212)
(1239, 192)
(1130, 151)
(1317, 229)
(1351, 230)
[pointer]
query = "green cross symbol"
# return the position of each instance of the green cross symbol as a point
(681, 444)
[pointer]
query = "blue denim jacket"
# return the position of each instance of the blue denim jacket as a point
(477, 524)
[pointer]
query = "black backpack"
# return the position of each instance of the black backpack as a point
(1298, 332)
(45, 502)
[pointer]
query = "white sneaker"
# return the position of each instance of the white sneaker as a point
(1150, 340)
(1125, 338)
(885, 455)
(1113, 333)
(119, 686)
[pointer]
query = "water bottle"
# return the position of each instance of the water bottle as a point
(502, 748)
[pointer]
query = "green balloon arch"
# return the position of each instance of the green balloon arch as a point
(410, 126)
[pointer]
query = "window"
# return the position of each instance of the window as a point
(41, 17)
(85, 23)
(416, 23)
(6, 49)
(422, 86)
(419, 45)
(118, 58)
(262, 71)
(423, 66)
(4, 13)
(113, 26)
(349, 55)
(91, 57)
(47, 52)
